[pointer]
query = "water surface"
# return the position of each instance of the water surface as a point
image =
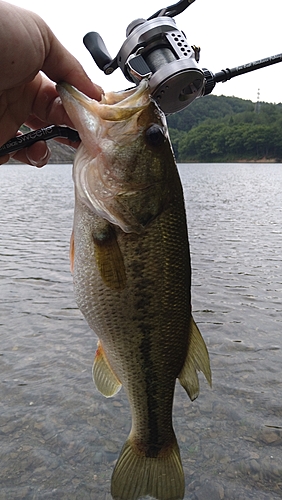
(59, 437)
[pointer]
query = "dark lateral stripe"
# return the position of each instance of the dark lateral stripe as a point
(151, 391)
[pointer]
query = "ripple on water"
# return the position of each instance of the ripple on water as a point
(59, 437)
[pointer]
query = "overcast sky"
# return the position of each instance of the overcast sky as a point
(230, 33)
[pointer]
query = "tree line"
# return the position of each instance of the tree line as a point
(226, 129)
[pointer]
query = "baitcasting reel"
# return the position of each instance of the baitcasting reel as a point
(156, 49)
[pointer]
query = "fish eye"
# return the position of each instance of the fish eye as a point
(155, 135)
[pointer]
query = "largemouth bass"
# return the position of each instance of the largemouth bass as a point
(132, 278)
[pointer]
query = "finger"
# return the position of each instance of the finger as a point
(4, 159)
(36, 155)
(61, 65)
(47, 107)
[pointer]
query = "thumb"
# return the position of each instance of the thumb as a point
(60, 65)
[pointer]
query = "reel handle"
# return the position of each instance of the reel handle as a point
(98, 50)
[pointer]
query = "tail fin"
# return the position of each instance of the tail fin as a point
(136, 475)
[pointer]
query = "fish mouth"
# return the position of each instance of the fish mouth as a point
(126, 102)
(116, 114)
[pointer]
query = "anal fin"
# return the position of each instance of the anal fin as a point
(105, 380)
(197, 359)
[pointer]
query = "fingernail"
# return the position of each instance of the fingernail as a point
(40, 162)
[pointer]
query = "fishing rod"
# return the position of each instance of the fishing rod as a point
(155, 49)
(226, 74)
(41, 134)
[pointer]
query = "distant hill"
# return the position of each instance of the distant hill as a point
(210, 106)
(222, 129)
(60, 153)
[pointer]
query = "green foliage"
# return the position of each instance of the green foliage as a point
(219, 128)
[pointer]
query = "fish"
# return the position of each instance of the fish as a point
(132, 278)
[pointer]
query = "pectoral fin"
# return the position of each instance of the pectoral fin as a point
(197, 359)
(109, 258)
(105, 380)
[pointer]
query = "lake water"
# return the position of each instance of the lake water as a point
(59, 437)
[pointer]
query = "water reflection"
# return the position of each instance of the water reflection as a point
(59, 437)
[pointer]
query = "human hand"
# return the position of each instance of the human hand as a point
(28, 48)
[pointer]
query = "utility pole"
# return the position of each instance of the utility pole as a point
(257, 106)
